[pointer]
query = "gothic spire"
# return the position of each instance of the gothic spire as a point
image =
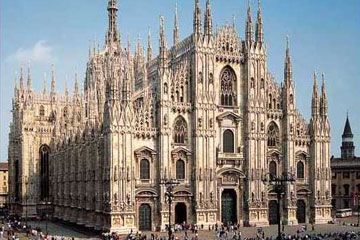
(315, 98)
(112, 34)
(21, 78)
(53, 79)
(197, 19)
(162, 35)
(126, 87)
(76, 87)
(29, 84)
(323, 100)
(44, 84)
(66, 88)
(288, 66)
(149, 48)
(259, 27)
(15, 81)
(16, 88)
(176, 26)
(208, 19)
(94, 47)
(90, 52)
(249, 27)
(138, 48)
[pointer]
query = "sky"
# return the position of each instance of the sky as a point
(324, 37)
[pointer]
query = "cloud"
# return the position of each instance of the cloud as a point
(41, 52)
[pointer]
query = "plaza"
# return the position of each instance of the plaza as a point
(69, 232)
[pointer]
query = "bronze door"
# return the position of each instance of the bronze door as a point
(228, 207)
(145, 217)
(301, 211)
(273, 213)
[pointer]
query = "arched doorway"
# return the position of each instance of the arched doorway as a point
(44, 172)
(228, 206)
(301, 211)
(180, 213)
(273, 213)
(145, 217)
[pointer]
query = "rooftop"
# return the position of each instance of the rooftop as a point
(345, 163)
(4, 166)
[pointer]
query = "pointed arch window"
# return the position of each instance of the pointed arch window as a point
(274, 103)
(262, 83)
(273, 135)
(144, 169)
(228, 87)
(228, 141)
(180, 169)
(270, 101)
(65, 112)
(44, 172)
(165, 88)
(42, 111)
(252, 84)
(180, 130)
(300, 170)
(273, 168)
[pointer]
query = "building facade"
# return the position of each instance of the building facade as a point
(3, 184)
(205, 111)
(345, 184)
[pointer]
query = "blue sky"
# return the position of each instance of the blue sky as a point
(324, 36)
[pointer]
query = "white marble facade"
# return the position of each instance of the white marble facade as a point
(205, 111)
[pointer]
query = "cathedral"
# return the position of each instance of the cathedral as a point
(205, 111)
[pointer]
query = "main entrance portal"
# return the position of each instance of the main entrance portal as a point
(145, 217)
(228, 206)
(301, 211)
(180, 213)
(273, 213)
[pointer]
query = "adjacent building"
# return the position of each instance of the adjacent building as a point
(3, 184)
(345, 184)
(205, 111)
